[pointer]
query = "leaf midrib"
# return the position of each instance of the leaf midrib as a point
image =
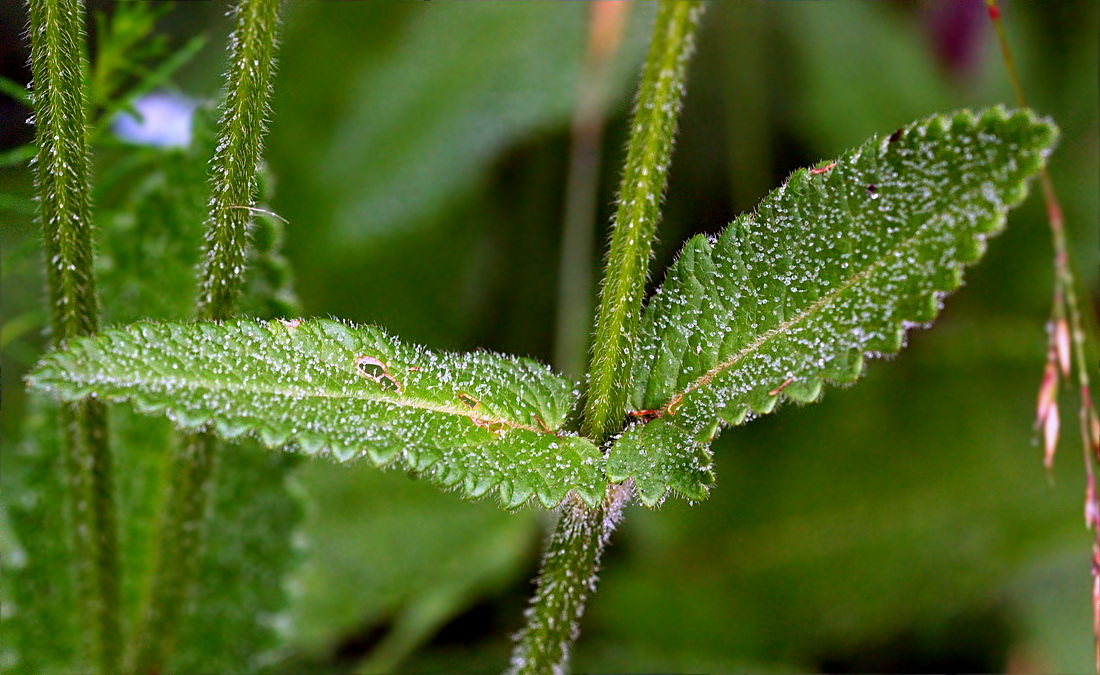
(196, 385)
(814, 307)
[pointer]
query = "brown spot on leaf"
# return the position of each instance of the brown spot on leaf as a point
(673, 406)
(775, 392)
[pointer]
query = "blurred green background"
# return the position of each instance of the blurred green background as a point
(420, 151)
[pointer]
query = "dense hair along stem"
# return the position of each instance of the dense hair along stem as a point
(568, 576)
(58, 64)
(649, 152)
(233, 187)
(573, 553)
(240, 145)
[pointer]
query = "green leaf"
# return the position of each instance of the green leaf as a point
(39, 627)
(16, 91)
(474, 421)
(240, 605)
(389, 101)
(834, 266)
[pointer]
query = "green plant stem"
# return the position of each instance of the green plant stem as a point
(567, 577)
(240, 142)
(582, 187)
(179, 547)
(58, 63)
(640, 192)
(572, 556)
(233, 190)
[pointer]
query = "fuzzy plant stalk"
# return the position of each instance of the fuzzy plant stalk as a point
(252, 48)
(572, 558)
(606, 23)
(62, 173)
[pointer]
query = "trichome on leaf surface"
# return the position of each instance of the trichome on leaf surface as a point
(832, 267)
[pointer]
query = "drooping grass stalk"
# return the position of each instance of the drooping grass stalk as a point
(572, 558)
(249, 78)
(1068, 333)
(58, 62)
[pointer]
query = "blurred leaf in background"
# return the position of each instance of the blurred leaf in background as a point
(388, 135)
(419, 154)
(150, 202)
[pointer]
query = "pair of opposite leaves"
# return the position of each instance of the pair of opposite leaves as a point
(835, 264)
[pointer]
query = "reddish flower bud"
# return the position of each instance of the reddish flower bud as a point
(1051, 428)
(1061, 345)
(1048, 394)
(1092, 508)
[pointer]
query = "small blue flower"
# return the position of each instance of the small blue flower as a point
(163, 120)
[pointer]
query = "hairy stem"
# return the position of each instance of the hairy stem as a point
(248, 95)
(179, 548)
(233, 188)
(62, 173)
(572, 556)
(568, 576)
(640, 192)
(606, 21)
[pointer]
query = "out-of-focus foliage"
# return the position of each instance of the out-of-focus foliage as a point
(149, 204)
(419, 151)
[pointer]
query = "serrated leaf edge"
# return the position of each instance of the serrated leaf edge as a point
(474, 485)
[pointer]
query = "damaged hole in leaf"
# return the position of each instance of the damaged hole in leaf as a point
(492, 426)
(468, 401)
(374, 369)
(370, 367)
(390, 383)
(894, 136)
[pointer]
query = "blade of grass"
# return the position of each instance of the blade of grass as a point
(15, 90)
